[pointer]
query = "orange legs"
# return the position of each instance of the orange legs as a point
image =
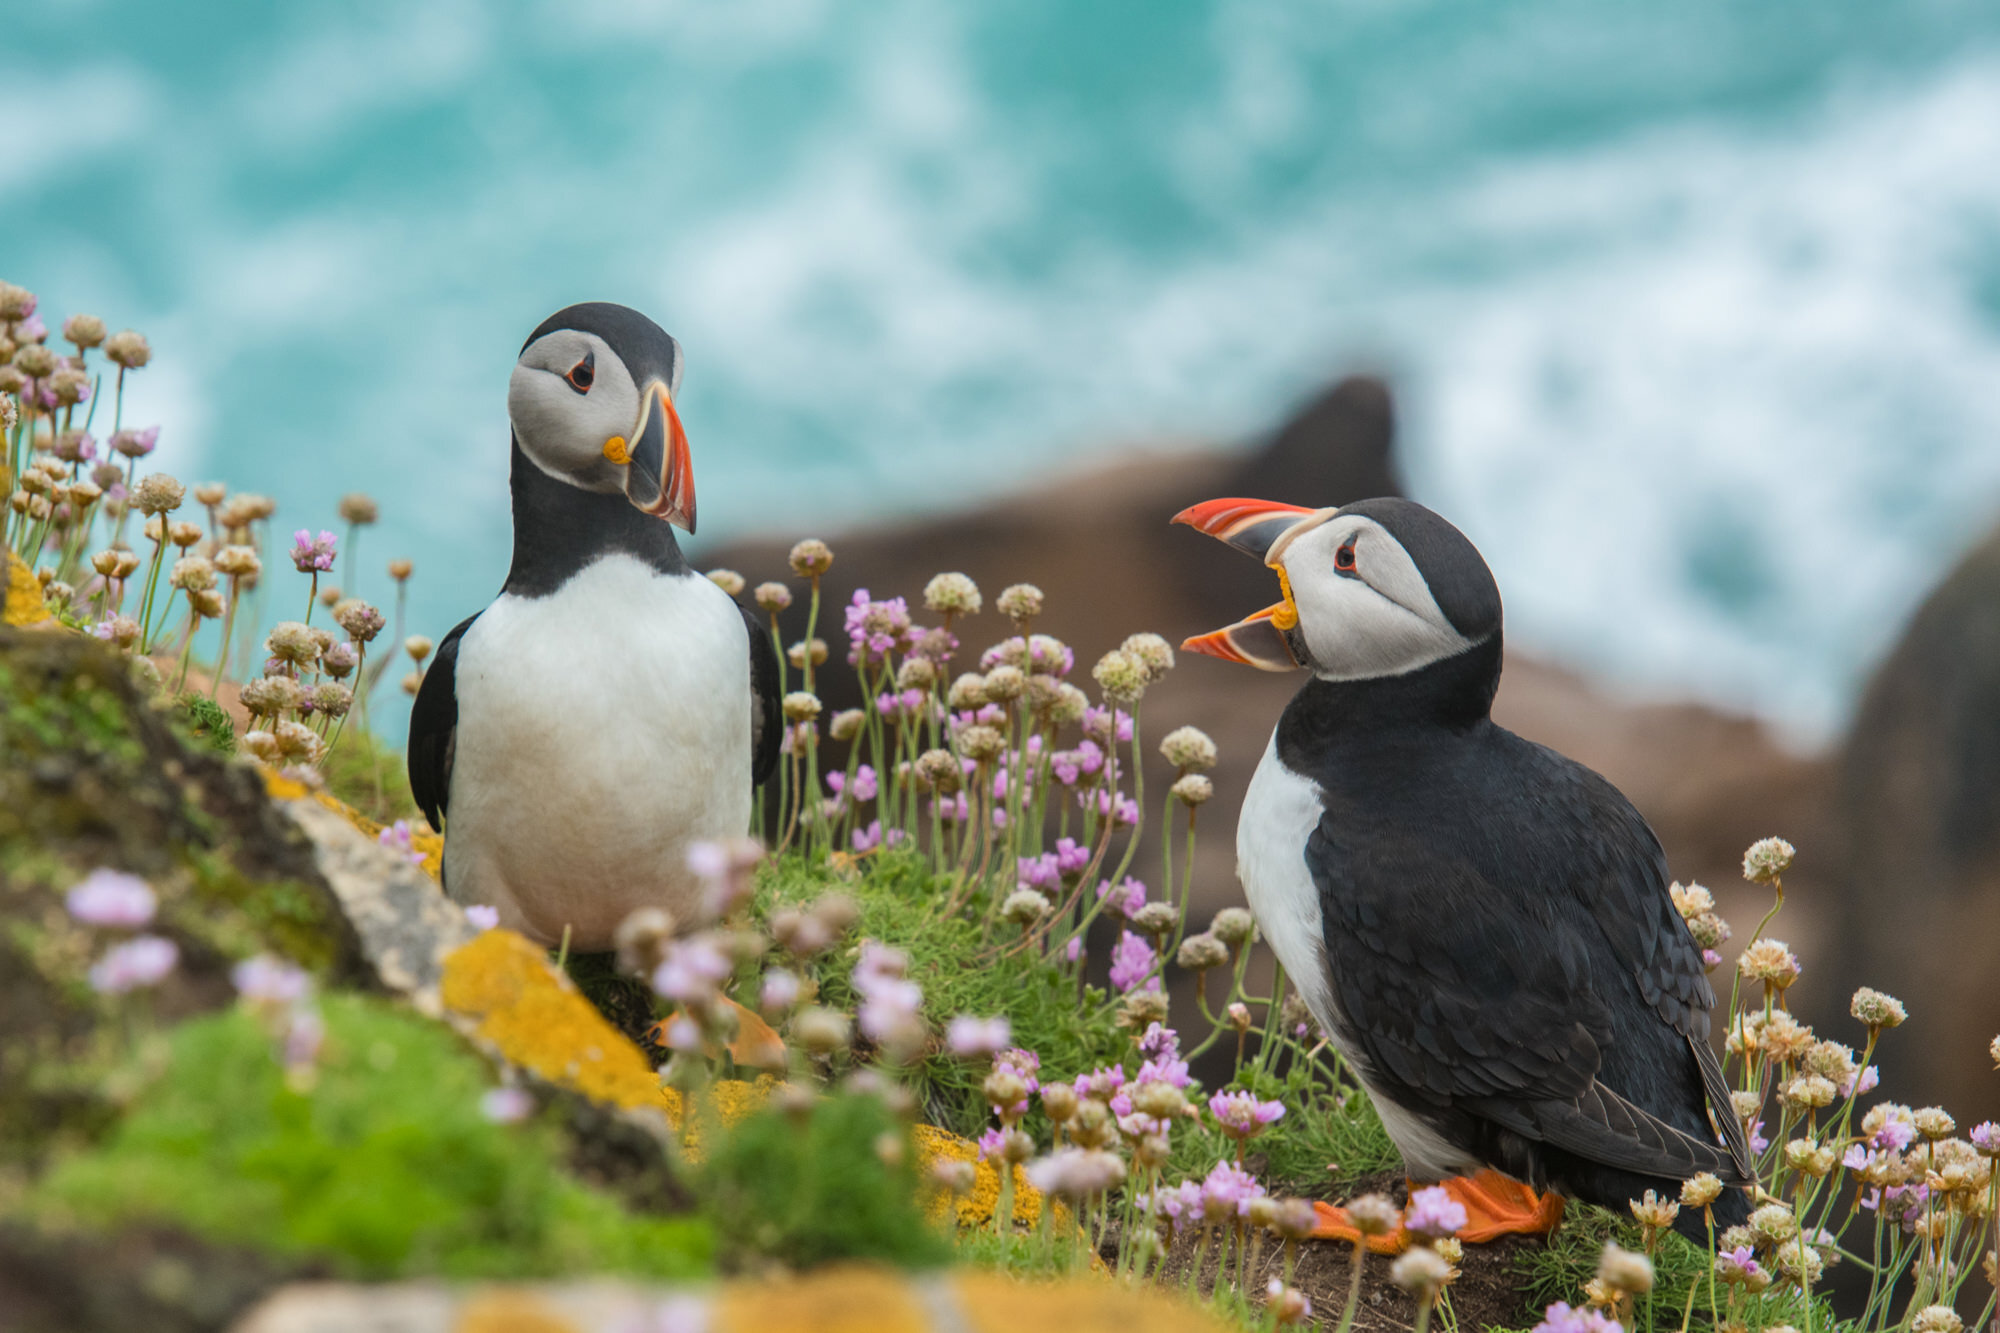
(1495, 1206)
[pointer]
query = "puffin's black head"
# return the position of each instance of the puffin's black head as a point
(592, 402)
(1375, 588)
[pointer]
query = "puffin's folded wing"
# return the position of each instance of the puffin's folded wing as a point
(1625, 895)
(1482, 1001)
(434, 729)
(1445, 988)
(766, 730)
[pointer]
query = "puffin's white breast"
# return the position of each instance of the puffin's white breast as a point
(1280, 812)
(601, 730)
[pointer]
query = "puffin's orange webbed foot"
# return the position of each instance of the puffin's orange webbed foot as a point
(755, 1046)
(1495, 1206)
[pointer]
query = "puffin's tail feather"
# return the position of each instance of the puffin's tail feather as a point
(1601, 1127)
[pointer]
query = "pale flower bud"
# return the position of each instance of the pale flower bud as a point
(1021, 602)
(811, 558)
(1193, 789)
(952, 595)
(772, 597)
(1189, 749)
(727, 579)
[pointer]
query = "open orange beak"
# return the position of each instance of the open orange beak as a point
(660, 477)
(1264, 640)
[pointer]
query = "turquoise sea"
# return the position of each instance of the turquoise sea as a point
(1695, 307)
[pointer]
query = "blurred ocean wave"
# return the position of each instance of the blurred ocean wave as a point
(1695, 309)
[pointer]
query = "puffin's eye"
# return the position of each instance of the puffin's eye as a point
(583, 374)
(1343, 559)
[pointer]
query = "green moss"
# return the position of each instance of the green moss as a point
(206, 723)
(841, 1184)
(1071, 1028)
(384, 1166)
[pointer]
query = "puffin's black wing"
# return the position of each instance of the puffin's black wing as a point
(765, 729)
(1498, 996)
(434, 729)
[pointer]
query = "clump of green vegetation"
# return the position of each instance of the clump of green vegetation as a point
(384, 1164)
(836, 1179)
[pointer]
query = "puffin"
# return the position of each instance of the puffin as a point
(611, 707)
(1481, 925)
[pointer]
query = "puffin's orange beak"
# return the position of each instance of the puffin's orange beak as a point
(660, 475)
(1251, 526)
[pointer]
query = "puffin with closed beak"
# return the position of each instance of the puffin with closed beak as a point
(612, 707)
(1481, 926)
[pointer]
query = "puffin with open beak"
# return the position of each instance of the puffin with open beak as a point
(1481, 926)
(612, 706)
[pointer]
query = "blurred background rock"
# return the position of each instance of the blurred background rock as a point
(1689, 316)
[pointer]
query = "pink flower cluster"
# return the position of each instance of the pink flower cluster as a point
(876, 629)
(112, 898)
(313, 555)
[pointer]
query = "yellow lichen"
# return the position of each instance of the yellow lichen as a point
(24, 605)
(422, 840)
(535, 1018)
(996, 1303)
(510, 1312)
(836, 1300)
(977, 1204)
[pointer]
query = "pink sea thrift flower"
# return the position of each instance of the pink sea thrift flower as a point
(968, 1037)
(264, 980)
(1227, 1192)
(112, 898)
(134, 965)
(506, 1105)
(396, 837)
(1243, 1115)
(1132, 962)
(1434, 1213)
(482, 916)
(313, 555)
(1561, 1318)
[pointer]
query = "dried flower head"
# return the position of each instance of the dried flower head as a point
(1624, 1271)
(1004, 684)
(298, 741)
(1771, 962)
(358, 509)
(1140, 1009)
(1025, 906)
(36, 361)
(811, 558)
(1767, 859)
(967, 693)
(1121, 676)
(291, 641)
(1193, 789)
(800, 706)
(1189, 749)
(418, 646)
(157, 493)
(238, 561)
(916, 673)
(938, 770)
(192, 573)
(1773, 1223)
(1879, 1011)
(800, 653)
(1020, 603)
(728, 580)
(952, 595)
(1199, 953)
(1234, 926)
(1937, 1319)
(128, 349)
(1422, 1272)
(83, 331)
(1373, 1215)
(1654, 1213)
(772, 597)
(1934, 1123)
(981, 744)
(16, 303)
(846, 724)
(332, 698)
(1153, 654)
